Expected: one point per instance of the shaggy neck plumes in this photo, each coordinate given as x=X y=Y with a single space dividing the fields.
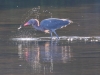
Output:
x=36 y=25
x=37 y=22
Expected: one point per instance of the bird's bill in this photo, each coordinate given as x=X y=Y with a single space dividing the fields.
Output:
x=26 y=24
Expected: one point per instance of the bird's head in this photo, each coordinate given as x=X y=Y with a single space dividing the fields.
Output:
x=32 y=22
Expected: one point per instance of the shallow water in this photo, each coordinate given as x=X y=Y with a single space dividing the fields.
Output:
x=50 y=57
x=30 y=52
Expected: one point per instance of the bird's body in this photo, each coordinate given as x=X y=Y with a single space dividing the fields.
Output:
x=53 y=23
x=49 y=25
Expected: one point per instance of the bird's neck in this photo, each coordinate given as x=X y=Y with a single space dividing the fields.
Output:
x=37 y=27
x=37 y=22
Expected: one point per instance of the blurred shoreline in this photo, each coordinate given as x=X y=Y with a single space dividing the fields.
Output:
x=76 y=13
x=12 y=16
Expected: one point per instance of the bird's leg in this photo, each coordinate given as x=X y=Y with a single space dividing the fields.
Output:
x=51 y=34
x=56 y=34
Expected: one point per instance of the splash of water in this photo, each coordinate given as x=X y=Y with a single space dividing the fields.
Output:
x=36 y=13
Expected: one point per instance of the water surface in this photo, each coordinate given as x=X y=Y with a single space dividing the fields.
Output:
x=30 y=52
x=50 y=57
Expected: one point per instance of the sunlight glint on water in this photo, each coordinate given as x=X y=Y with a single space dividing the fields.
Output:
x=68 y=38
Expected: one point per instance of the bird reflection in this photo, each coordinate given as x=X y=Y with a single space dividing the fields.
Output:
x=43 y=55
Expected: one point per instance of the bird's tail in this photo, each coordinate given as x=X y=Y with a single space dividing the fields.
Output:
x=65 y=22
x=70 y=21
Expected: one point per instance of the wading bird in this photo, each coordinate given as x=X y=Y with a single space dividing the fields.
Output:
x=48 y=25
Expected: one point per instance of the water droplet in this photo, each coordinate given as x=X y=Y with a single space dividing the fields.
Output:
x=78 y=25
x=20 y=65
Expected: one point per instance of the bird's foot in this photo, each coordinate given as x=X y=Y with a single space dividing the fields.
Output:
x=54 y=38
x=58 y=39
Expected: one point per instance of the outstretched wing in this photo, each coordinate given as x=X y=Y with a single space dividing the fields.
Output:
x=54 y=23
